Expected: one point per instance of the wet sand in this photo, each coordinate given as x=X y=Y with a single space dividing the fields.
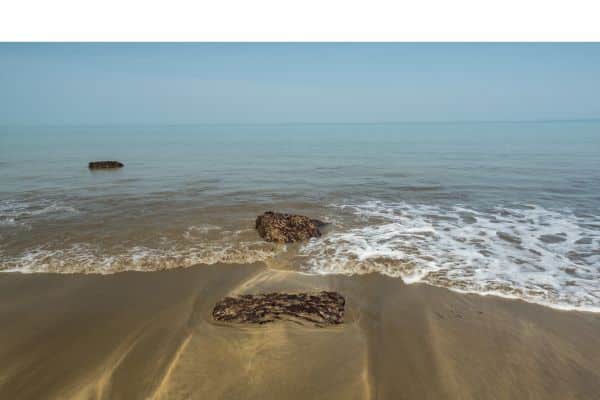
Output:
x=150 y=335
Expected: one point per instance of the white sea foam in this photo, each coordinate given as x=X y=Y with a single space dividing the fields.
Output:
x=14 y=212
x=86 y=258
x=196 y=231
x=223 y=246
x=539 y=255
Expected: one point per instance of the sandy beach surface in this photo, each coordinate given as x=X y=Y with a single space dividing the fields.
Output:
x=138 y=335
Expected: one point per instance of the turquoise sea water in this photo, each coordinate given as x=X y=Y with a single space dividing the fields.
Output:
x=505 y=208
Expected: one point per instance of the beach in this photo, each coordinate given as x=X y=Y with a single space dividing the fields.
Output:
x=151 y=335
x=468 y=261
x=299 y=220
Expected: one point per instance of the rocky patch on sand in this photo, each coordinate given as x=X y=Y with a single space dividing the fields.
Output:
x=287 y=228
x=104 y=164
x=320 y=309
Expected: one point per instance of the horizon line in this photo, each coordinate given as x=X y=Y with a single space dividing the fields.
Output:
x=491 y=121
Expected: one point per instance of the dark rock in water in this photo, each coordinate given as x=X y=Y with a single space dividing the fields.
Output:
x=104 y=164
x=287 y=228
x=324 y=308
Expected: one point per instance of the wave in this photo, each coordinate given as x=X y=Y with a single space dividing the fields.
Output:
x=87 y=258
x=522 y=251
x=198 y=231
x=15 y=212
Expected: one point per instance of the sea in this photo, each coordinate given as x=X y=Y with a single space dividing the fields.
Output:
x=496 y=208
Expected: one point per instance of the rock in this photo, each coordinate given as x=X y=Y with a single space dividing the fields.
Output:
x=324 y=308
x=104 y=164
x=287 y=228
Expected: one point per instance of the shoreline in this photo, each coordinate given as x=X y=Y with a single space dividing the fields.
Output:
x=496 y=294
x=446 y=246
x=151 y=335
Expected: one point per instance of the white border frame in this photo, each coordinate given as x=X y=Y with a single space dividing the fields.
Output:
x=300 y=20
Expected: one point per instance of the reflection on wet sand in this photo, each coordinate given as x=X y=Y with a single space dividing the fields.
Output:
x=151 y=335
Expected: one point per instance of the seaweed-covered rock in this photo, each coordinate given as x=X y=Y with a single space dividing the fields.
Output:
x=287 y=228
x=324 y=308
x=104 y=164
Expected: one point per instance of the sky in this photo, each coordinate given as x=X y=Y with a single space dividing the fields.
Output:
x=151 y=83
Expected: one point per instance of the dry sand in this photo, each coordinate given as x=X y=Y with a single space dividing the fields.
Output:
x=138 y=335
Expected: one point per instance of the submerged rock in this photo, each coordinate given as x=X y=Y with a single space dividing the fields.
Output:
x=104 y=164
x=287 y=228
x=324 y=308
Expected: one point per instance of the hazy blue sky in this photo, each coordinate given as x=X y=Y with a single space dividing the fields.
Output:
x=238 y=83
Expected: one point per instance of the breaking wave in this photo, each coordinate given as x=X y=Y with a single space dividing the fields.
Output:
x=13 y=212
x=86 y=258
x=523 y=251
x=540 y=255
x=195 y=248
